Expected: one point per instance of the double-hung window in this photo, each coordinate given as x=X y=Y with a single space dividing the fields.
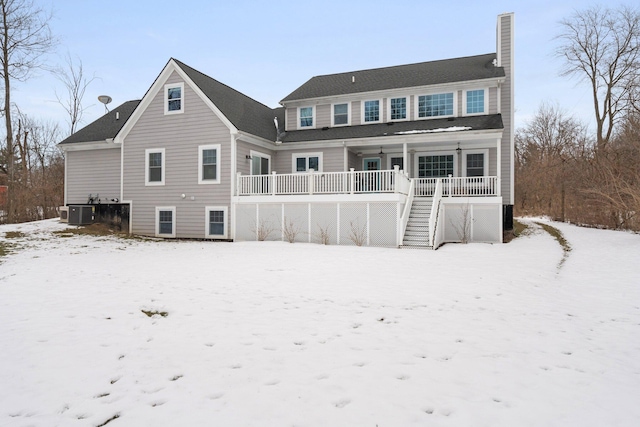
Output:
x=340 y=114
x=216 y=222
x=306 y=115
x=306 y=162
x=398 y=108
x=475 y=101
x=371 y=111
x=435 y=105
x=209 y=164
x=166 y=221
x=174 y=98
x=475 y=163
x=154 y=166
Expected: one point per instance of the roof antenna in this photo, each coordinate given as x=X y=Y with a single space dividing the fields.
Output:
x=105 y=99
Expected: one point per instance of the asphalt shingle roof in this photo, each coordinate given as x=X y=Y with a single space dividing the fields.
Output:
x=401 y=76
x=490 y=122
x=105 y=127
x=246 y=114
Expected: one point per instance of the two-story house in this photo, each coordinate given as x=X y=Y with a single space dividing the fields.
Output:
x=410 y=155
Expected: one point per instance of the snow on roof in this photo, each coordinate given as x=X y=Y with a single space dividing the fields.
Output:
x=449 y=129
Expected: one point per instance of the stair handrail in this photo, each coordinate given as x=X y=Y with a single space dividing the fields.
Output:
x=404 y=219
x=435 y=208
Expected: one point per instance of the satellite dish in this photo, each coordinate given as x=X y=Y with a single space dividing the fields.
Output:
x=105 y=99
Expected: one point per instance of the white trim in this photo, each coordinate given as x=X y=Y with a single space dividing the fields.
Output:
x=166 y=98
x=333 y=123
x=486 y=101
x=407 y=108
x=296 y=156
x=259 y=154
x=418 y=154
x=218 y=149
x=66 y=181
x=173 y=220
x=380 y=111
x=225 y=210
x=416 y=104
x=485 y=166
x=313 y=118
x=146 y=166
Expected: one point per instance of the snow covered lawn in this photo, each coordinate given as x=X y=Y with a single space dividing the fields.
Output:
x=278 y=334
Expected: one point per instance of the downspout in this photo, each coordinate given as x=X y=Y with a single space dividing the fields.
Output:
x=232 y=181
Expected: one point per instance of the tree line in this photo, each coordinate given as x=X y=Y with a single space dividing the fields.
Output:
x=562 y=170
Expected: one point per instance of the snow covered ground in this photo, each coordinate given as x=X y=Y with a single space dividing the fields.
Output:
x=278 y=334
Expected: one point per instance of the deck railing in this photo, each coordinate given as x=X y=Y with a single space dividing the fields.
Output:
x=483 y=186
x=358 y=182
x=385 y=181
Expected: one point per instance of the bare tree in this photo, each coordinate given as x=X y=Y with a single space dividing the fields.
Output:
x=24 y=38
x=602 y=46
x=75 y=83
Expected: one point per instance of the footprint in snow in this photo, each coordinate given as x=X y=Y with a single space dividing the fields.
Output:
x=272 y=382
x=215 y=396
x=341 y=403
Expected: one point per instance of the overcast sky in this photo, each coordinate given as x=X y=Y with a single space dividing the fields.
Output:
x=266 y=49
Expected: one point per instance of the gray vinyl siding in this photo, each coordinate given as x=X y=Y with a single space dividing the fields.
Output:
x=332 y=159
x=352 y=160
x=93 y=172
x=323 y=115
x=292 y=118
x=493 y=100
x=355 y=113
x=506 y=48
x=180 y=135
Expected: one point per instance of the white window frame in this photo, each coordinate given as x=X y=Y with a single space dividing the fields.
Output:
x=407 y=105
x=313 y=117
x=333 y=116
x=380 y=109
x=296 y=156
x=417 y=155
x=173 y=219
x=486 y=101
x=201 y=149
x=148 y=151
x=486 y=160
x=225 y=210
x=416 y=105
x=253 y=153
x=166 y=98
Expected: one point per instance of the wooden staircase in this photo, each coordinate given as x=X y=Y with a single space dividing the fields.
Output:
x=417 y=233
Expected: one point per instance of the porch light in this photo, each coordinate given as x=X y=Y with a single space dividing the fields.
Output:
x=458 y=150
x=248 y=157
x=381 y=153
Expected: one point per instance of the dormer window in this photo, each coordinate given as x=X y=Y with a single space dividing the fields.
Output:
x=174 y=98
x=305 y=117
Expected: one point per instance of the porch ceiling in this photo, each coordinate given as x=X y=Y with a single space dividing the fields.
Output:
x=400 y=129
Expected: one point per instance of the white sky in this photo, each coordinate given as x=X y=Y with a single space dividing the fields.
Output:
x=267 y=49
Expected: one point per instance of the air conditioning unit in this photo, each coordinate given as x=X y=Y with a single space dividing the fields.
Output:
x=64 y=213
x=81 y=214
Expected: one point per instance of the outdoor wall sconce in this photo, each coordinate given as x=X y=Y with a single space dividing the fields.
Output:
x=248 y=157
